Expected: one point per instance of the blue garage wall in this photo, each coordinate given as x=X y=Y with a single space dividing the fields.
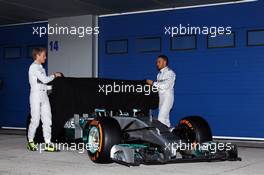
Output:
x=14 y=96
x=224 y=85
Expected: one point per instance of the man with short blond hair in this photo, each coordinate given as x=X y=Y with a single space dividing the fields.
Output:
x=39 y=100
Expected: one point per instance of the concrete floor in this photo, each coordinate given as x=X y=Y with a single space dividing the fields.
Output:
x=16 y=160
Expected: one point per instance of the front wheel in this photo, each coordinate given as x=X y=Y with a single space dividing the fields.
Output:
x=194 y=129
x=103 y=134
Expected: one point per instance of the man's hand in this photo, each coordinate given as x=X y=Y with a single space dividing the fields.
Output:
x=150 y=82
x=57 y=74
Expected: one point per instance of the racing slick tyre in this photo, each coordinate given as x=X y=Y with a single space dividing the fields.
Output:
x=103 y=133
x=194 y=129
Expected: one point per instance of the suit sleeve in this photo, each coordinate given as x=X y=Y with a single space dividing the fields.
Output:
x=43 y=77
x=167 y=82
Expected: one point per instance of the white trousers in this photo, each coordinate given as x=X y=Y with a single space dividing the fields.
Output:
x=166 y=100
x=40 y=110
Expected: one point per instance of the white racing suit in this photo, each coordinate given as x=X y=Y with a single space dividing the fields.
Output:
x=39 y=101
x=165 y=84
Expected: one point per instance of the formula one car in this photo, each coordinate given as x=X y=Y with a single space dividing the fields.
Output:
x=134 y=139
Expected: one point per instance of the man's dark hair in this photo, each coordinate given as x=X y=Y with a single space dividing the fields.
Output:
x=164 y=57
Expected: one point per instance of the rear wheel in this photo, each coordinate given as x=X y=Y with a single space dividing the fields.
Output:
x=103 y=134
x=194 y=129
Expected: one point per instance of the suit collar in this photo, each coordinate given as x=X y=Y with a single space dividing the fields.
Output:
x=164 y=69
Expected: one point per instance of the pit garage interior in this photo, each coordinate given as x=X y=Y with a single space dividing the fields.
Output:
x=219 y=78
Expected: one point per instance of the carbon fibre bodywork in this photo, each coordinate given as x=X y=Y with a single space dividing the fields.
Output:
x=148 y=141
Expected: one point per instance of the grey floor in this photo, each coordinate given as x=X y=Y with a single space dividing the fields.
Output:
x=15 y=159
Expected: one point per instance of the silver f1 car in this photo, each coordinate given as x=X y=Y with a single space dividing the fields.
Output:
x=134 y=139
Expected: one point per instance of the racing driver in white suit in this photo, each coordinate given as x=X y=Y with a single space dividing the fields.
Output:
x=165 y=84
x=39 y=100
